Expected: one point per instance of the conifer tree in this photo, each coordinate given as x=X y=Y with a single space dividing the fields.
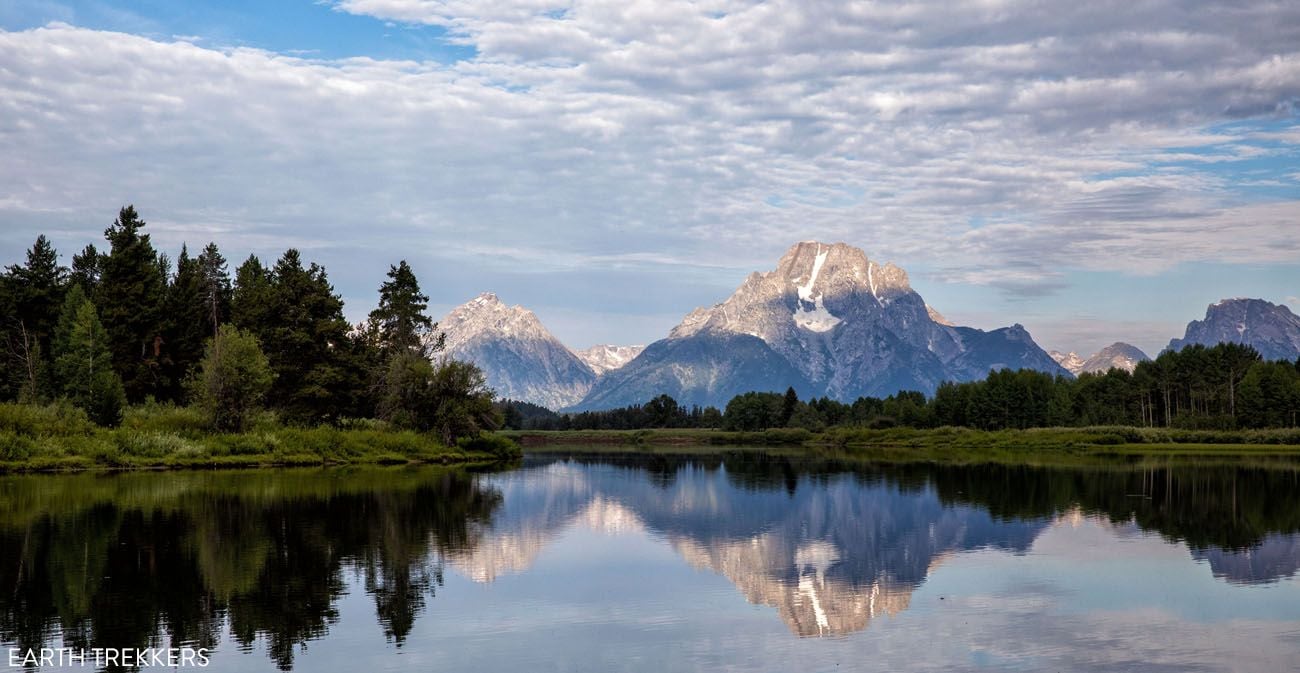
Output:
x=216 y=287
x=306 y=339
x=131 y=294
x=85 y=368
x=86 y=268
x=250 y=303
x=34 y=294
x=186 y=322
x=399 y=320
x=59 y=343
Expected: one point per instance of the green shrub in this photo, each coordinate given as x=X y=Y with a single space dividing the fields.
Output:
x=156 y=445
x=46 y=420
x=493 y=445
x=15 y=447
x=787 y=436
x=153 y=417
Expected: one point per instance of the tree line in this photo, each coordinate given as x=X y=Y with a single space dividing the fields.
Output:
x=127 y=325
x=1226 y=386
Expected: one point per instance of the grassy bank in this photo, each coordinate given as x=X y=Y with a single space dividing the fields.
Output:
x=657 y=439
x=958 y=445
x=60 y=437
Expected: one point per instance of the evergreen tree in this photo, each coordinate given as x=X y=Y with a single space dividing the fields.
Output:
x=1269 y=396
x=132 y=292
x=86 y=269
x=306 y=340
x=399 y=320
x=59 y=343
x=38 y=290
x=85 y=368
x=250 y=303
x=1233 y=361
x=216 y=287
x=186 y=326
x=788 y=405
x=34 y=295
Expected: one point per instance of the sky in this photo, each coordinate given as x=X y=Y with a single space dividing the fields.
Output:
x=1097 y=171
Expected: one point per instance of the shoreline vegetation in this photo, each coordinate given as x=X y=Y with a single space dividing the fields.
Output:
x=61 y=438
x=130 y=359
x=1034 y=446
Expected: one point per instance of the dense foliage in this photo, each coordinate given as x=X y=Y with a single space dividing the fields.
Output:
x=128 y=327
x=1223 y=387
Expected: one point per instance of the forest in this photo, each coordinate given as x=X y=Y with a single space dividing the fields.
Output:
x=1223 y=387
x=127 y=326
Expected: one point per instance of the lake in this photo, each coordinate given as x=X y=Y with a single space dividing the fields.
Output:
x=736 y=561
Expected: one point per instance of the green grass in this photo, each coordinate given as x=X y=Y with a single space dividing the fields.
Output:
x=60 y=437
x=543 y=440
x=1038 y=446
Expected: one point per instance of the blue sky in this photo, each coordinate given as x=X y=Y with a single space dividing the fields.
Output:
x=1095 y=171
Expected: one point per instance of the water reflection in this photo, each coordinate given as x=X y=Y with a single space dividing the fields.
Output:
x=262 y=559
x=829 y=553
x=131 y=560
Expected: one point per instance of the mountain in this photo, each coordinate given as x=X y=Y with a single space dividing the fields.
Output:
x=827 y=321
x=1118 y=355
x=1070 y=361
x=604 y=358
x=1272 y=329
x=520 y=358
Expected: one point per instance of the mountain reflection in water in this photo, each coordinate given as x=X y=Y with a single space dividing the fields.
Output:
x=136 y=560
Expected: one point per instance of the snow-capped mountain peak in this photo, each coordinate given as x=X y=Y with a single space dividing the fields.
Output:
x=520 y=358
x=1071 y=361
x=603 y=358
x=827 y=320
x=1118 y=355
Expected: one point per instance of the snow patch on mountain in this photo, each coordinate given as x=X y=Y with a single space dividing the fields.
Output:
x=818 y=319
x=603 y=358
x=827 y=321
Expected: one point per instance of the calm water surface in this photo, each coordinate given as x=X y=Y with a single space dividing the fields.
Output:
x=711 y=564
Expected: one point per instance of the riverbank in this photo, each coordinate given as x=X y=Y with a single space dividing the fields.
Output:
x=1058 y=446
x=60 y=438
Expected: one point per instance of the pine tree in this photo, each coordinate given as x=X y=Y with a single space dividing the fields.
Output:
x=87 y=266
x=60 y=344
x=39 y=286
x=305 y=337
x=788 y=405
x=131 y=294
x=216 y=287
x=250 y=303
x=186 y=322
x=399 y=319
x=35 y=293
x=85 y=368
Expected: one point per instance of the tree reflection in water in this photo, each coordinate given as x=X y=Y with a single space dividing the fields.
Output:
x=140 y=560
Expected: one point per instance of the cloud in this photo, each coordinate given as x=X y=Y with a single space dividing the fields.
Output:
x=622 y=135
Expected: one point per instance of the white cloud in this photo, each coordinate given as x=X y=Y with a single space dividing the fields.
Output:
x=660 y=133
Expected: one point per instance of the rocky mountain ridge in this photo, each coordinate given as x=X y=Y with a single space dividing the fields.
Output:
x=827 y=321
x=1118 y=355
x=1272 y=329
